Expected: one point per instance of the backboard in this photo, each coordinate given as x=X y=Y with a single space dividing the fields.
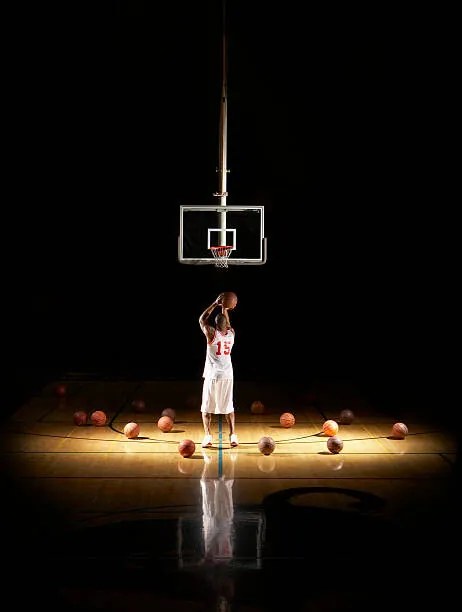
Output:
x=240 y=227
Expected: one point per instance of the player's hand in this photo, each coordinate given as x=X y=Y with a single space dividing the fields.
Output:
x=219 y=299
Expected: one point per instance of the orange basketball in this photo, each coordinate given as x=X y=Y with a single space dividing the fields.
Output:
x=132 y=430
x=139 y=405
x=330 y=427
x=399 y=430
x=287 y=419
x=346 y=417
x=170 y=412
x=80 y=417
x=60 y=390
x=165 y=423
x=229 y=299
x=186 y=448
x=335 y=444
x=266 y=445
x=257 y=407
x=98 y=418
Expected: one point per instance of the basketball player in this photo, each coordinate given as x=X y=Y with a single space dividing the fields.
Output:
x=217 y=390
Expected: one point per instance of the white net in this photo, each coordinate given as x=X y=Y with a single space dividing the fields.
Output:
x=221 y=255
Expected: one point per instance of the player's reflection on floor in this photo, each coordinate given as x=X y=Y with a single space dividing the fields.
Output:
x=217 y=509
x=217 y=527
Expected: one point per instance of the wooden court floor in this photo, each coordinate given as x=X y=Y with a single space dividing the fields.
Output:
x=101 y=521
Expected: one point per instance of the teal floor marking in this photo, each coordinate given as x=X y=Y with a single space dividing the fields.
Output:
x=220 y=445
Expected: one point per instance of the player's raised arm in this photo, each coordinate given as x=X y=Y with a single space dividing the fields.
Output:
x=204 y=318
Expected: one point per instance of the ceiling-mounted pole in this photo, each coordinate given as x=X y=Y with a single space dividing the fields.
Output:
x=222 y=147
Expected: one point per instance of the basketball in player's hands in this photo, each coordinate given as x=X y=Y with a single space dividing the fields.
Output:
x=228 y=300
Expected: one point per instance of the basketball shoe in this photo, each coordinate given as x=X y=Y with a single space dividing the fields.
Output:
x=207 y=441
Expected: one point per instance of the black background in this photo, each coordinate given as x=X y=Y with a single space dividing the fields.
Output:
x=336 y=124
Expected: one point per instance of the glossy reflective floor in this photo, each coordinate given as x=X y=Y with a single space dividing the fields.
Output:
x=98 y=521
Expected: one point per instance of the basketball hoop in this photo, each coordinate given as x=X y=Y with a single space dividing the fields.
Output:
x=221 y=255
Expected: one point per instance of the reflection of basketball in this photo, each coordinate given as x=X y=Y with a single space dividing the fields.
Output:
x=266 y=445
x=80 y=417
x=185 y=467
x=165 y=423
x=336 y=463
x=330 y=427
x=335 y=444
x=229 y=299
x=257 y=407
x=346 y=417
x=266 y=464
x=186 y=448
x=399 y=430
x=170 y=412
x=98 y=418
x=139 y=405
x=287 y=419
x=132 y=430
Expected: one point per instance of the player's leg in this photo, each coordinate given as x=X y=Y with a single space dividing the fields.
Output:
x=227 y=390
x=207 y=407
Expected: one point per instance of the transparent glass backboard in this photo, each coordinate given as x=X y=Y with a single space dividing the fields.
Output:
x=238 y=227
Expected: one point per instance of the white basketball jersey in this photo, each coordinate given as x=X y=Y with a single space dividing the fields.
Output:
x=218 y=362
